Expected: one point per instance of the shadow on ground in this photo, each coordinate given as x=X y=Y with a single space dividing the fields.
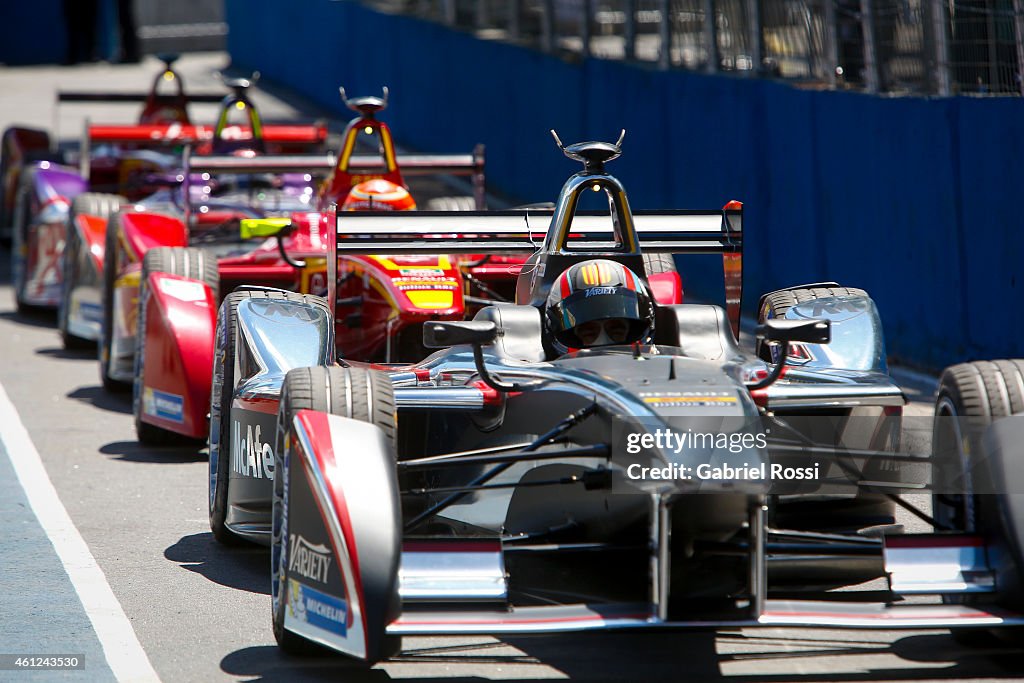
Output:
x=133 y=451
x=245 y=567
x=104 y=400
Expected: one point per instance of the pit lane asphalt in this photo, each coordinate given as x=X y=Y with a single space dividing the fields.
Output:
x=202 y=612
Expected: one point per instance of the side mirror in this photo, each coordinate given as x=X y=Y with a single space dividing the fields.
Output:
x=439 y=335
x=806 y=331
x=263 y=227
x=786 y=331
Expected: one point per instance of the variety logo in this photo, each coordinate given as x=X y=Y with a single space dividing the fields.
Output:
x=308 y=560
x=251 y=457
x=163 y=405
x=317 y=609
x=597 y=291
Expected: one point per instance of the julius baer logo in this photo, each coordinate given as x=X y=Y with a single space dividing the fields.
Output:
x=251 y=456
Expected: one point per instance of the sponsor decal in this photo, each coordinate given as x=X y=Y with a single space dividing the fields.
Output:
x=312 y=607
x=163 y=405
x=183 y=290
x=689 y=399
x=421 y=272
x=598 y=291
x=251 y=456
x=88 y=311
x=308 y=560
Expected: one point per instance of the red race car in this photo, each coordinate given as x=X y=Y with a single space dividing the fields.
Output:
x=38 y=189
x=213 y=253
x=151 y=177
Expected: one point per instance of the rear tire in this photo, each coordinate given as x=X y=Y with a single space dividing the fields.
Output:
x=186 y=262
x=326 y=390
x=451 y=204
x=659 y=263
x=94 y=204
x=221 y=395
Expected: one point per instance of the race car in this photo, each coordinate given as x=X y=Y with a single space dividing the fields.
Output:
x=151 y=317
x=156 y=180
x=527 y=479
x=38 y=187
x=116 y=164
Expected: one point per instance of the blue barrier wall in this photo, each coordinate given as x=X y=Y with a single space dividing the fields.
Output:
x=32 y=32
x=909 y=198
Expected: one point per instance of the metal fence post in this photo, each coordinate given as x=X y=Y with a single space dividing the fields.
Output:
x=831 y=40
x=754 y=35
x=482 y=16
x=710 y=37
x=1018 y=31
x=629 y=29
x=547 y=39
x=588 y=11
x=665 y=31
x=939 y=16
x=515 y=8
x=867 y=21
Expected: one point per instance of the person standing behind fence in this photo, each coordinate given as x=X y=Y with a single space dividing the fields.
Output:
x=126 y=27
x=80 y=23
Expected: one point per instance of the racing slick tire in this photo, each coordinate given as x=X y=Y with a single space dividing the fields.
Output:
x=357 y=393
x=94 y=204
x=451 y=204
x=976 y=451
x=969 y=398
x=186 y=262
x=221 y=394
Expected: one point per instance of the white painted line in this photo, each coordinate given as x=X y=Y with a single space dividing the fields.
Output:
x=124 y=653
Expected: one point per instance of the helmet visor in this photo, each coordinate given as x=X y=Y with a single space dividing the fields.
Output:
x=598 y=303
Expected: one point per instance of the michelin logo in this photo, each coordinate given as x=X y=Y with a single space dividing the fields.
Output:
x=317 y=609
x=163 y=405
x=308 y=560
x=251 y=457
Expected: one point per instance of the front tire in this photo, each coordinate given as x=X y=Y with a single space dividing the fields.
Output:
x=221 y=395
x=970 y=397
x=356 y=393
x=94 y=204
x=183 y=261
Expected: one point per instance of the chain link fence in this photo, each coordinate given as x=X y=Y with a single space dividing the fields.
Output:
x=923 y=47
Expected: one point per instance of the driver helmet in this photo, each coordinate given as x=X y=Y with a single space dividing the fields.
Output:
x=599 y=303
x=378 y=195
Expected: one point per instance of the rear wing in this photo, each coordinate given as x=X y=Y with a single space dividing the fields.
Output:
x=177 y=134
x=130 y=97
x=169 y=135
x=412 y=165
x=523 y=231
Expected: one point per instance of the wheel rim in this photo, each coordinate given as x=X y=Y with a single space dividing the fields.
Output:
x=956 y=509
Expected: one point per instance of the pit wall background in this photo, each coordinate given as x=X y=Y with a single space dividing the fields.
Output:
x=913 y=199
